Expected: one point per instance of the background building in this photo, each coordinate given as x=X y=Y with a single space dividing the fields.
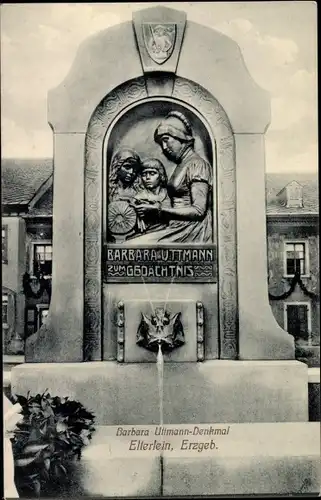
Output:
x=293 y=259
x=26 y=248
x=293 y=253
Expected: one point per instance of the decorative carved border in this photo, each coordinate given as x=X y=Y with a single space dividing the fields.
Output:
x=120 y=331
x=200 y=331
x=196 y=96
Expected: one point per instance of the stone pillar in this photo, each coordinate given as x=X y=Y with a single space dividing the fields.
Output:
x=61 y=338
x=113 y=59
x=260 y=336
x=247 y=107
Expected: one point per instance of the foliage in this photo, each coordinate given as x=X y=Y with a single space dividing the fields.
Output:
x=302 y=350
x=52 y=432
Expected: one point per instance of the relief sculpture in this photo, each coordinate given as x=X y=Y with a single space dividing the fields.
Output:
x=123 y=179
x=145 y=207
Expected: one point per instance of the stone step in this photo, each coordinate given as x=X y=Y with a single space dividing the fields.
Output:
x=256 y=458
x=10 y=361
x=211 y=391
x=13 y=359
x=57 y=378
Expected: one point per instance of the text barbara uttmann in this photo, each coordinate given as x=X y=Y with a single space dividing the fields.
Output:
x=169 y=438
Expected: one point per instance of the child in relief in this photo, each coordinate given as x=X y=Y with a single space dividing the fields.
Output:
x=153 y=190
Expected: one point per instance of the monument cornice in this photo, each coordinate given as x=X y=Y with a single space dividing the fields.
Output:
x=71 y=104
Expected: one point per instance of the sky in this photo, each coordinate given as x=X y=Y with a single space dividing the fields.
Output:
x=278 y=41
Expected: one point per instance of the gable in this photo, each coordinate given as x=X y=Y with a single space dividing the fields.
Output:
x=294 y=194
x=276 y=192
x=44 y=204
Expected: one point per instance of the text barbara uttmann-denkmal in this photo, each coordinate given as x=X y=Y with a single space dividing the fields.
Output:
x=138 y=443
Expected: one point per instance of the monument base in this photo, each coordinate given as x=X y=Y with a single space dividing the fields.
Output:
x=204 y=392
x=255 y=459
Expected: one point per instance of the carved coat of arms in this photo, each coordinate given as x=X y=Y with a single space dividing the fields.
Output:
x=159 y=40
x=161 y=328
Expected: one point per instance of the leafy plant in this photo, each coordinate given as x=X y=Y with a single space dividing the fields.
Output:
x=52 y=432
x=303 y=351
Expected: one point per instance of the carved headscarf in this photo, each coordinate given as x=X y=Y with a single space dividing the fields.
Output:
x=176 y=125
x=123 y=156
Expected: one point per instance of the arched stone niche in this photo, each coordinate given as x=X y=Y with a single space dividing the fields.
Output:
x=198 y=99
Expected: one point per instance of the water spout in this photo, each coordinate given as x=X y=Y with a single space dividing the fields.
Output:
x=161 y=328
x=161 y=333
x=160 y=375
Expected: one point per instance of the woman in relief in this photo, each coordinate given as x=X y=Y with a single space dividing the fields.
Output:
x=189 y=215
x=123 y=178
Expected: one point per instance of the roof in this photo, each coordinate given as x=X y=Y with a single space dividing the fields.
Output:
x=43 y=206
x=22 y=178
x=289 y=184
x=275 y=184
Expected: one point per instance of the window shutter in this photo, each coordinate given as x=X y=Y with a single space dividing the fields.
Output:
x=303 y=320
x=30 y=321
x=297 y=319
x=11 y=322
x=4 y=244
x=11 y=312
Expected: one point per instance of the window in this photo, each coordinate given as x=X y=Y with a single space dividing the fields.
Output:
x=5 y=322
x=4 y=244
x=298 y=320
x=42 y=262
x=5 y=299
x=35 y=317
x=30 y=321
x=295 y=258
x=42 y=314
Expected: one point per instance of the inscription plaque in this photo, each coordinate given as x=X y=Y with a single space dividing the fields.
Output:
x=197 y=264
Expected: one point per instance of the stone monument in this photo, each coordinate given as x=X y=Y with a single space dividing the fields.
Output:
x=159 y=235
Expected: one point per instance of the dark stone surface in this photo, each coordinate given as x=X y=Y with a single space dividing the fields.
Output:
x=314 y=402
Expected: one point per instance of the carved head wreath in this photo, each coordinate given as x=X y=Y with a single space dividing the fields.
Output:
x=176 y=125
